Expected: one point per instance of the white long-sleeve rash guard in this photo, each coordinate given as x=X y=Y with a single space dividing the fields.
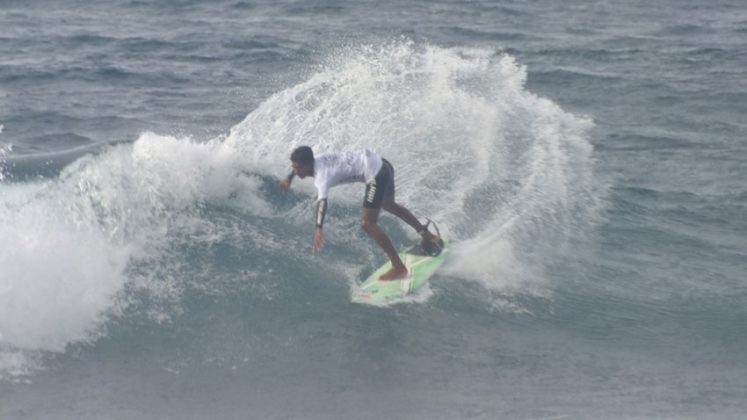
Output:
x=331 y=169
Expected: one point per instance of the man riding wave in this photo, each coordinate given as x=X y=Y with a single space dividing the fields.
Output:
x=331 y=169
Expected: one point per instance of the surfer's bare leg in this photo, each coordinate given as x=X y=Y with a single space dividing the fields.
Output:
x=369 y=223
x=403 y=213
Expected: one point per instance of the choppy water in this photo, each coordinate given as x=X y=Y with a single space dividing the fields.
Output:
x=586 y=159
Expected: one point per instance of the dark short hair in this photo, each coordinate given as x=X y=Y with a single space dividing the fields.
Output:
x=303 y=155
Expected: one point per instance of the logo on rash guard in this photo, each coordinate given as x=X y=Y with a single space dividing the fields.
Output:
x=371 y=192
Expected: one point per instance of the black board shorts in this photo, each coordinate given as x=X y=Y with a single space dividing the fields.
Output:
x=381 y=186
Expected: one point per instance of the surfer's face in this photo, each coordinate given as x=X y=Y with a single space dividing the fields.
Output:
x=302 y=171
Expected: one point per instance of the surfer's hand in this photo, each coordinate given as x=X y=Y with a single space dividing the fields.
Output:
x=285 y=184
x=318 y=240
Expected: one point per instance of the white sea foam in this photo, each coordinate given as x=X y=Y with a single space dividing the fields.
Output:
x=66 y=243
x=16 y=365
x=506 y=173
x=4 y=150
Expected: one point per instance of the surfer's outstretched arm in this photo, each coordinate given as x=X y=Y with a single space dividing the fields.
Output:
x=321 y=211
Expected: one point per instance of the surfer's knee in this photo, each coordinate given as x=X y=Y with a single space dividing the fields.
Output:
x=369 y=218
x=389 y=204
x=368 y=225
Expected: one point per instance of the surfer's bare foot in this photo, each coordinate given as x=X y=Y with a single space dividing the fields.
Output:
x=395 y=273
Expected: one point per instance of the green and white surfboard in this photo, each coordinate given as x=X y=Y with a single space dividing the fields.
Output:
x=420 y=263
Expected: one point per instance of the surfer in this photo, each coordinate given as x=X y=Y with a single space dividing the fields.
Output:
x=331 y=169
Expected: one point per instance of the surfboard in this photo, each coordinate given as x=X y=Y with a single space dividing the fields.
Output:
x=421 y=265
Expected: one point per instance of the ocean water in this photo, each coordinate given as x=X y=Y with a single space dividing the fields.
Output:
x=587 y=160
